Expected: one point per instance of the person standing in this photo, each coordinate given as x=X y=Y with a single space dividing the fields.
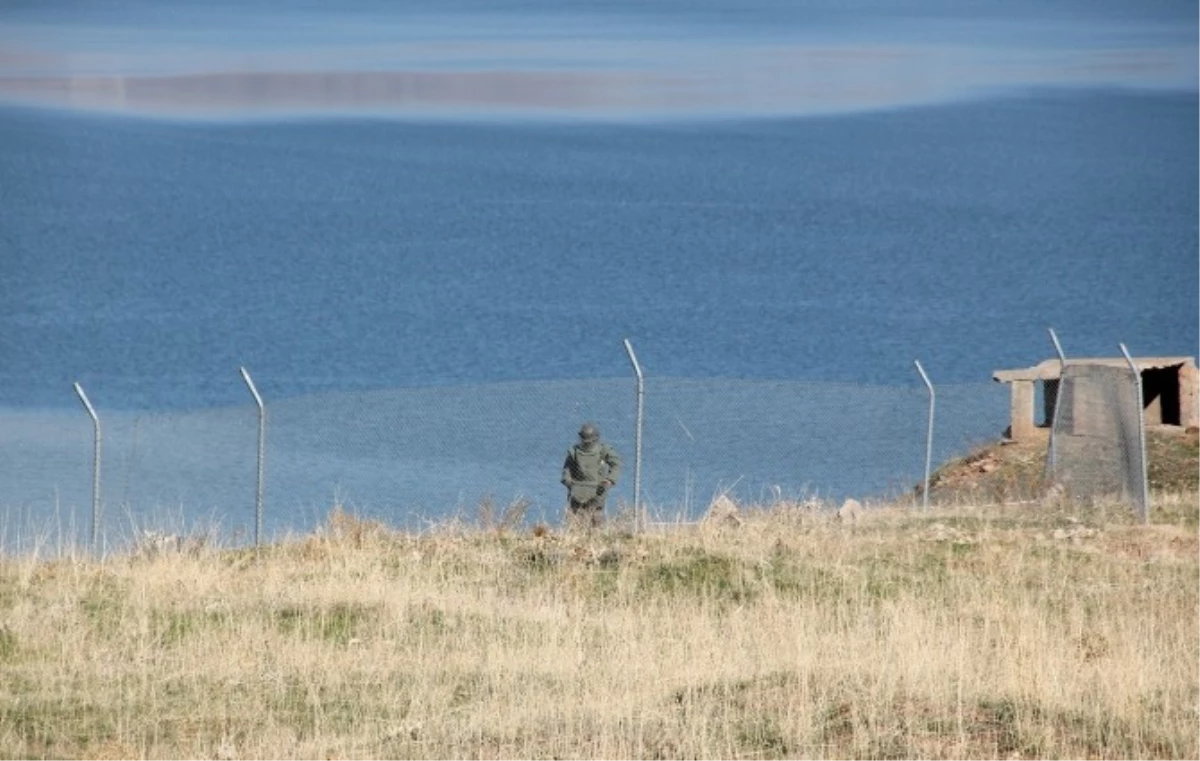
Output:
x=589 y=471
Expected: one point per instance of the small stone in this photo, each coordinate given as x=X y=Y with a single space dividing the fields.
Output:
x=154 y=543
x=723 y=512
x=1054 y=494
x=849 y=511
x=608 y=558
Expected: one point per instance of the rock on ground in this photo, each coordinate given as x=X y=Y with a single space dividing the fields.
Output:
x=849 y=511
x=722 y=512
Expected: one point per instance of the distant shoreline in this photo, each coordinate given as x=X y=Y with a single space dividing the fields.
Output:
x=773 y=83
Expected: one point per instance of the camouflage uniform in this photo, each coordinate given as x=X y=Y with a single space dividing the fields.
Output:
x=590 y=469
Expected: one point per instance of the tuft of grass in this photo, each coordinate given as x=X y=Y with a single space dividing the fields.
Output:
x=501 y=521
x=761 y=737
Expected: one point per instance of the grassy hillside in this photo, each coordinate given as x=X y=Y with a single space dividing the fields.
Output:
x=971 y=632
x=1007 y=471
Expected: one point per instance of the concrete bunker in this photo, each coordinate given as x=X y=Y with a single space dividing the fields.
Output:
x=1169 y=392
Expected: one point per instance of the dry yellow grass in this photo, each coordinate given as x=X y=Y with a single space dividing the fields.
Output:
x=967 y=632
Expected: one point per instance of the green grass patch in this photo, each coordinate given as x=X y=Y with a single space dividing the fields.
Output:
x=700 y=573
x=103 y=605
x=337 y=623
x=54 y=728
x=8 y=645
x=174 y=626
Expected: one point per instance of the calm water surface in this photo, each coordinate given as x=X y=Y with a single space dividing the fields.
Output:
x=150 y=260
x=382 y=198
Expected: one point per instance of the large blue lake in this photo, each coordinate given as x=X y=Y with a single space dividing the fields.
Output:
x=426 y=236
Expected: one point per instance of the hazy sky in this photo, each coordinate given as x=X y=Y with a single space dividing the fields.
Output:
x=599 y=59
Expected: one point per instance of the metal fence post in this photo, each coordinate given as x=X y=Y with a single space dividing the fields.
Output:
x=1062 y=371
x=262 y=429
x=95 y=465
x=637 y=437
x=1144 y=486
x=928 y=433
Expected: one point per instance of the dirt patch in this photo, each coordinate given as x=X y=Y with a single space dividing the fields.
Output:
x=1000 y=472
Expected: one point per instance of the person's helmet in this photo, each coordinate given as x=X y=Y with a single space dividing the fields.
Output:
x=589 y=433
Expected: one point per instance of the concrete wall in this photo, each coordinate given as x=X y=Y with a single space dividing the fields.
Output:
x=1171 y=388
x=1189 y=380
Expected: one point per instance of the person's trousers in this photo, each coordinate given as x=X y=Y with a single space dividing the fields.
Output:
x=585 y=515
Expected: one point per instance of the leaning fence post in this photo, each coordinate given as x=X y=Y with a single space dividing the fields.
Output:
x=262 y=429
x=1062 y=371
x=637 y=436
x=1144 y=486
x=928 y=433
x=95 y=465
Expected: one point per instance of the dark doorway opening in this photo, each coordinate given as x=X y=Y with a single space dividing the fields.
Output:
x=1160 y=395
x=1049 y=401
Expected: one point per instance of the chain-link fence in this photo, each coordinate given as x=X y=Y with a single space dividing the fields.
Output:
x=412 y=457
